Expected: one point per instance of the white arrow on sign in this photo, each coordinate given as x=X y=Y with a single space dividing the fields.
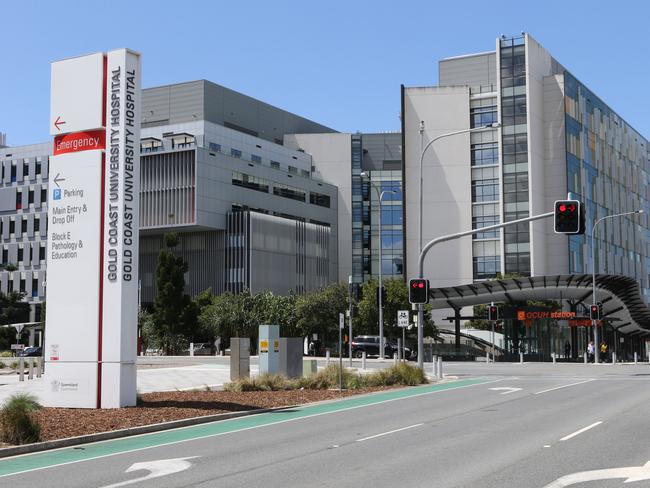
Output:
x=506 y=389
x=632 y=473
x=162 y=467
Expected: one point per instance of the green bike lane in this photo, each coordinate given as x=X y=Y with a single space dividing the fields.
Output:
x=86 y=452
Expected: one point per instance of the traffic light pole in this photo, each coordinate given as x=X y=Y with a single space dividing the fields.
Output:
x=451 y=237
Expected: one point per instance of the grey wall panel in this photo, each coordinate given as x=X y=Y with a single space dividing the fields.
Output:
x=469 y=70
x=8 y=199
x=381 y=148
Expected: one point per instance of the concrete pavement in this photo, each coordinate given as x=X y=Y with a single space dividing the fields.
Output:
x=522 y=429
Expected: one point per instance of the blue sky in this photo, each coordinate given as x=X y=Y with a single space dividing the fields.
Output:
x=338 y=63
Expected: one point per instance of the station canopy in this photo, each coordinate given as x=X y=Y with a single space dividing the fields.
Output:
x=623 y=305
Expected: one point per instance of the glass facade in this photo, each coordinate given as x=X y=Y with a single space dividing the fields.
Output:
x=357 y=210
x=608 y=168
x=389 y=213
x=512 y=61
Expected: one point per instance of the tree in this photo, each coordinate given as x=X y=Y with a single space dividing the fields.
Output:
x=13 y=310
x=174 y=311
x=318 y=312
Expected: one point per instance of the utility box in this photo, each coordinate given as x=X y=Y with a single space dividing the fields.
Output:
x=240 y=358
x=291 y=356
x=269 y=349
x=309 y=368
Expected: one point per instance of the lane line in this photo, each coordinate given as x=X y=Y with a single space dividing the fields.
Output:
x=565 y=386
x=25 y=463
x=389 y=432
x=578 y=432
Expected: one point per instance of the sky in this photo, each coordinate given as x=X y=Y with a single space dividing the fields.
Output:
x=339 y=63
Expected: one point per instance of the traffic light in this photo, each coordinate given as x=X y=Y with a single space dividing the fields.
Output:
x=383 y=297
x=419 y=291
x=595 y=312
x=493 y=313
x=568 y=217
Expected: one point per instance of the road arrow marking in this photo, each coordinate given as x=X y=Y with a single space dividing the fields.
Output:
x=57 y=179
x=162 y=467
x=508 y=389
x=58 y=122
x=632 y=473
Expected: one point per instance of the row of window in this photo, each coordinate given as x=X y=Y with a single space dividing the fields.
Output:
x=482 y=116
x=30 y=197
x=23 y=226
x=14 y=169
x=255 y=158
x=21 y=256
x=279 y=189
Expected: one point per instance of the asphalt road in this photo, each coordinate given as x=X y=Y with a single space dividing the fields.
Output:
x=514 y=426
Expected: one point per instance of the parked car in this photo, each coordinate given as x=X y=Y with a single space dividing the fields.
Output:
x=32 y=351
x=370 y=345
x=407 y=350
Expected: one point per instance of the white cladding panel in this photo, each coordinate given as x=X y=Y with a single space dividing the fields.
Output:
x=73 y=280
x=77 y=87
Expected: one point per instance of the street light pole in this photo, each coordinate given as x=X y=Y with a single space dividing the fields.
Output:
x=366 y=174
x=494 y=125
x=593 y=275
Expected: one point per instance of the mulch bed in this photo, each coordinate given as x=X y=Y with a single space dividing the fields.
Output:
x=153 y=408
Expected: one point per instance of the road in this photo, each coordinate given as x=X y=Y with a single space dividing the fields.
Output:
x=495 y=426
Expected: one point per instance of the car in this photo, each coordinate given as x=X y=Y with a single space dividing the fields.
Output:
x=408 y=353
x=32 y=351
x=370 y=345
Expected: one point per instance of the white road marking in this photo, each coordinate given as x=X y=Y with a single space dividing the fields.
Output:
x=547 y=445
x=632 y=473
x=578 y=432
x=389 y=432
x=161 y=467
x=508 y=389
x=565 y=386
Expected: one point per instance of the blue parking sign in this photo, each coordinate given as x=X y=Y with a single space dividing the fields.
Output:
x=57 y=194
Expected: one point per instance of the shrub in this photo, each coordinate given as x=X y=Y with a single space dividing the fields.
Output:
x=2 y=365
x=6 y=354
x=14 y=365
x=329 y=378
x=265 y=382
x=17 y=422
x=400 y=374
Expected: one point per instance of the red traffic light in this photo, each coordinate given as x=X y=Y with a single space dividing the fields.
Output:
x=562 y=207
x=419 y=291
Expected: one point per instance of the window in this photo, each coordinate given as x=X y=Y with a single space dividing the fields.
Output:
x=304 y=173
x=391 y=215
x=37 y=224
x=251 y=182
x=485 y=190
x=19 y=200
x=483 y=154
x=214 y=147
x=13 y=172
x=287 y=191
x=293 y=169
x=482 y=116
x=20 y=254
x=43 y=196
x=12 y=227
x=235 y=153
x=23 y=226
x=41 y=253
x=485 y=221
x=25 y=169
x=319 y=199
x=256 y=159
x=30 y=197
x=34 y=287
x=486 y=267
x=22 y=285
x=392 y=240
x=5 y=256
x=38 y=167
x=391 y=186
x=275 y=164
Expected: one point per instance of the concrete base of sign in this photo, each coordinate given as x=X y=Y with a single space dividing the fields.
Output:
x=70 y=385
x=269 y=349
x=240 y=361
x=291 y=349
x=309 y=367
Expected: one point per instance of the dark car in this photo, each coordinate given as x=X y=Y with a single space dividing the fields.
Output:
x=408 y=353
x=370 y=345
x=32 y=351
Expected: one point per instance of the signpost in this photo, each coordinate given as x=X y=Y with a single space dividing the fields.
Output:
x=92 y=250
x=341 y=327
x=403 y=322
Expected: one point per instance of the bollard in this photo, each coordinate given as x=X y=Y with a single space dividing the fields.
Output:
x=585 y=358
x=399 y=349
x=521 y=358
x=553 y=355
x=613 y=358
x=487 y=357
x=395 y=358
x=30 y=369
x=434 y=363
x=636 y=358
x=21 y=369
x=39 y=366
x=440 y=375
x=327 y=357
x=363 y=360
x=191 y=349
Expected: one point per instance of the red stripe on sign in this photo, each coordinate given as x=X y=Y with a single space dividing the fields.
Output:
x=80 y=141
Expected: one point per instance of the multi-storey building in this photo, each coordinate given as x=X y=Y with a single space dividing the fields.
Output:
x=556 y=137
x=365 y=168
x=249 y=212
